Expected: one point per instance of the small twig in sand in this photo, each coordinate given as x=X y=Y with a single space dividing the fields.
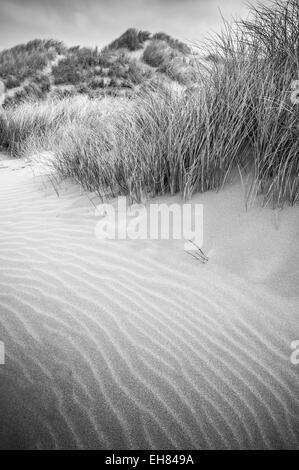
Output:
x=200 y=250
x=199 y=254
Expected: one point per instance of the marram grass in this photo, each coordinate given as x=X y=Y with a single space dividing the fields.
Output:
x=179 y=140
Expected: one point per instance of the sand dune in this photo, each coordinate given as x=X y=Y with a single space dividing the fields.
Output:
x=134 y=344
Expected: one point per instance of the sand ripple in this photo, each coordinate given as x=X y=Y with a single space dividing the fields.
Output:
x=128 y=345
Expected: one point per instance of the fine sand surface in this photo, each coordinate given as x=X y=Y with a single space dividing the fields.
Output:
x=135 y=344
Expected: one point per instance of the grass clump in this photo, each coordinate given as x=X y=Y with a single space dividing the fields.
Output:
x=132 y=39
x=24 y=61
x=173 y=43
x=238 y=117
x=157 y=53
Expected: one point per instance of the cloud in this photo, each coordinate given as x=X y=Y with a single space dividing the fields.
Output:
x=97 y=22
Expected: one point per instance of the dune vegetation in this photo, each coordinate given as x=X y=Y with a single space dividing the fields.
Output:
x=27 y=60
x=235 y=115
x=47 y=69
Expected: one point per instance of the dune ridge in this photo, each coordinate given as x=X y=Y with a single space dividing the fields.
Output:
x=133 y=344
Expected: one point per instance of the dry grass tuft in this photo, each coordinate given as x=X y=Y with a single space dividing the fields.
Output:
x=167 y=140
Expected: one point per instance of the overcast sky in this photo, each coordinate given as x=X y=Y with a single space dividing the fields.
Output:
x=97 y=22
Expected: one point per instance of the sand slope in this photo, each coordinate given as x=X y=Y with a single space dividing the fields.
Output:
x=134 y=344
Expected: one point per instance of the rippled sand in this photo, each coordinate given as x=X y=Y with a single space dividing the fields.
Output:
x=134 y=344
